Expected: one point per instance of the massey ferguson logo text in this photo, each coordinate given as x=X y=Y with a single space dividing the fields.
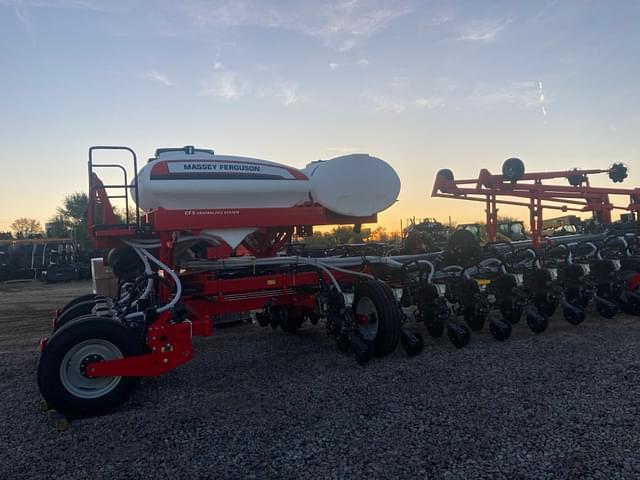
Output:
x=221 y=167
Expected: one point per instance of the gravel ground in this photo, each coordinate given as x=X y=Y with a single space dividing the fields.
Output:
x=260 y=404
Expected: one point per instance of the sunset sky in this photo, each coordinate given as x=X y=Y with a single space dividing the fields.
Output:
x=424 y=85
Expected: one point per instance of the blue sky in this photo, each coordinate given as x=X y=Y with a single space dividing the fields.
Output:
x=423 y=84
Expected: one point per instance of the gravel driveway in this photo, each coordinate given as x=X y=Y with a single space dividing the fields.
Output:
x=261 y=404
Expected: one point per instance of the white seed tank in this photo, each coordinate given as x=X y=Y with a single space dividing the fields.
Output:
x=190 y=178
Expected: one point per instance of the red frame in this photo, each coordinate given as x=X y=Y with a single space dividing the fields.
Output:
x=492 y=190
x=215 y=296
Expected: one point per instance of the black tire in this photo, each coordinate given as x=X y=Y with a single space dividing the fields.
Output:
x=513 y=169
x=80 y=299
x=290 y=323
x=75 y=311
x=64 y=341
x=445 y=173
x=388 y=314
x=435 y=329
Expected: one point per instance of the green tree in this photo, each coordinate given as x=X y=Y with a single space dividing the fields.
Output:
x=74 y=212
x=57 y=226
x=26 y=227
x=74 y=208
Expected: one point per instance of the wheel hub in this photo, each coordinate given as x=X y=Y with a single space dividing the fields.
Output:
x=366 y=317
x=73 y=368
x=92 y=358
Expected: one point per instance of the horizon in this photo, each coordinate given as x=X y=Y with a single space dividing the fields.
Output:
x=422 y=85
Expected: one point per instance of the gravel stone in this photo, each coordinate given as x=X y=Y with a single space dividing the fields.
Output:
x=254 y=403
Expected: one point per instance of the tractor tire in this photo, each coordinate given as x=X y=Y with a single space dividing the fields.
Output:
x=60 y=379
x=376 y=300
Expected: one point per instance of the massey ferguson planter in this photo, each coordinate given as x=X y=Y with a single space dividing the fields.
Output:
x=204 y=243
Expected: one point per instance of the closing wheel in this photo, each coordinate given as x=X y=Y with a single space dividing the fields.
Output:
x=377 y=315
x=62 y=377
x=607 y=308
x=412 y=342
x=500 y=329
x=458 y=334
x=537 y=321
x=573 y=314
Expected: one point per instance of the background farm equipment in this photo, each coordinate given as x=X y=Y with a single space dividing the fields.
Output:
x=518 y=188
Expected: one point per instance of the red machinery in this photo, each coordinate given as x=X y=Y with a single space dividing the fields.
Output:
x=175 y=282
x=515 y=187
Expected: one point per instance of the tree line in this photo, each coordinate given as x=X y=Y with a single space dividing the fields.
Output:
x=69 y=221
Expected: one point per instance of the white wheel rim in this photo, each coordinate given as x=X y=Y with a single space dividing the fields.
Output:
x=72 y=378
x=366 y=308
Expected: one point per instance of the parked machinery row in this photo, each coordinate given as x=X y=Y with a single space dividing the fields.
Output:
x=468 y=287
x=50 y=260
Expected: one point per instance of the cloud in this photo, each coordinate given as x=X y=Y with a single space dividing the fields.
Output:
x=160 y=78
x=23 y=8
x=380 y=103
x=431 y=102
x=338 y=24
x=231 y=85
x=228 y=85
x=440 y=19
x=522 y=94
x=288 y=94
x=363 y=62
x=485 y=31
x=399 y=81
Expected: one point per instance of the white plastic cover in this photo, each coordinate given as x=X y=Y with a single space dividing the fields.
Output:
x=357 y=184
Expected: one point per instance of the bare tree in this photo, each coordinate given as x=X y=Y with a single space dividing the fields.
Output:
x=26 y=227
